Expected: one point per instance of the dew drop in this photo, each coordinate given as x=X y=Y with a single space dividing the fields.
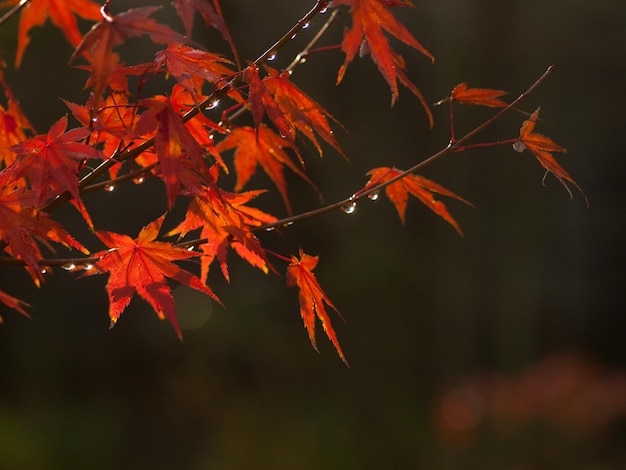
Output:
x=139 y=179
x=288 y=224
x=272 y=56
x=191 y=248
x=269 y=229
x=374 y=196
x=293 y=36
x=349 y=208
x=88 y=267
x=519 y=146
x=69 y=267
x=212 y=105
x=302 y=59
x=306 y=25
x=109 y=188
x=43 y=271
x=323 y=10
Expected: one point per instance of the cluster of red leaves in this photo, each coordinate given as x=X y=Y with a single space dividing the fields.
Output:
x=171 y=138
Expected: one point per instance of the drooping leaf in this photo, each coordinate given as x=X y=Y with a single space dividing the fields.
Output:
x=62 y=13
x=478 y=96
x=542 y=148
x=289 y=109
x=225 y=220
x=420 y=187
x=21 y=224
x=370 y=20
x=112 y=31
x=50 y=162
x=264 y=147
x=312 y=298
x=142 y=266
x=179 y=154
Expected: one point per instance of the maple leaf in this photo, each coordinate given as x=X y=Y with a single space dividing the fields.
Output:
x=15 y=304
x=179 y=154
x=51 y=161
x=21 y=223
x=13 y=125
x=225 y=221
x=370 y=18
x=542 y=148
x=478 y=96
x=112 y=31
x=420 y=187
x=288 y=108
x=62 y=13
x=141 y=266
x=185 y=64
x=211 y=14
x=264 y=147
x=312 y=298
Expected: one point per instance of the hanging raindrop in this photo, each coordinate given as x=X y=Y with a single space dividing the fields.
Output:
x=69 y=267
x=306 y=25
x=109 y=188
x=139 y=179
x=349 y=208
x=374 y=196
x=88 y=267
x=272 y=56
x=212 y=105
x=323 y=10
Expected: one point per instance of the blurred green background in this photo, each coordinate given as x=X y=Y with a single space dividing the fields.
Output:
x=500 y=350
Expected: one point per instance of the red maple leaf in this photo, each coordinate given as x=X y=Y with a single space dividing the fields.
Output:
x=112 y=31
x=312 y=298
x=14 y=125
x=542 y=148
x=21 y=224
x=186 y=64
x=264 y=147
x=225 y=221
x=211 y=14
x=370 y=18
x=180 y=156
x=62 y=13
x=51 y=162
x=420 y=187
x=478 y=96
x=141 y=266
x=288 y=108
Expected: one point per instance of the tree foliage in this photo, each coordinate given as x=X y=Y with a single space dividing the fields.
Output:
x=118 y=134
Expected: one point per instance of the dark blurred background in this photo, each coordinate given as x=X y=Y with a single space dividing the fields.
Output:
x=500 y=350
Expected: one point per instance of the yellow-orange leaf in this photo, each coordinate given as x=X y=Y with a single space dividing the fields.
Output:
x=478 y=96
x=420 y=187
x=542 y=148
x=312 y=298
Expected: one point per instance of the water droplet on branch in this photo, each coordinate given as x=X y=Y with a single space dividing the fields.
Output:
x=349 y=208
x=272 y=56
x=109 y=188
x=374 y=196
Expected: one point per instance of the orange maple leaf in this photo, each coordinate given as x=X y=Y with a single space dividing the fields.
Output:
x=15 y=304
x=21 y=223
x=51 y=162
x=112 y=31
x=420 y=187
x=370 y=18
x=542 y=148
x=62 y=13
x=288 y=108
x=226 y=221
x=312 y=298
x=264 y=147
x=141 y=266
x=478 y=96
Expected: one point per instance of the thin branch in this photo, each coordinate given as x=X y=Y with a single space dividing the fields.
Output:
x=13 y=11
